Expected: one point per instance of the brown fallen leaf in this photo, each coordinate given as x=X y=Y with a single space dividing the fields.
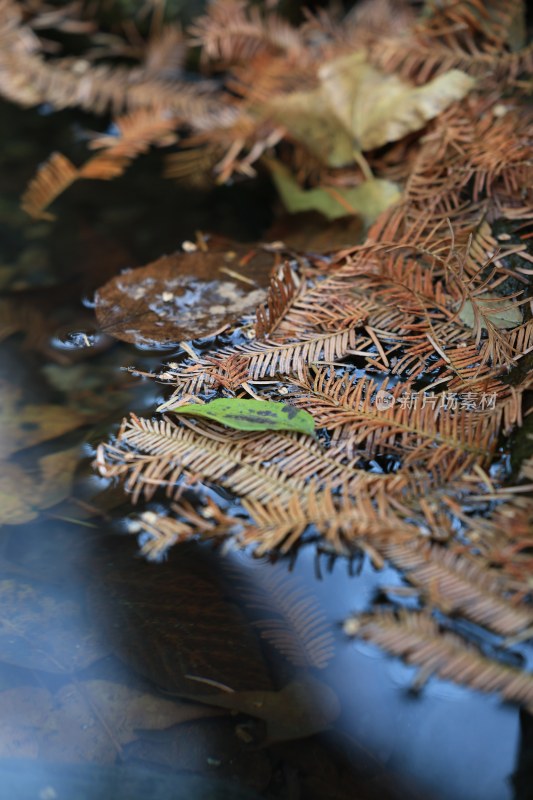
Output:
x=184 y=295
x=86 y=721
x=23 y=426
x=43 y=630
x=16 y=495
x=26 y=491
x=93 y=719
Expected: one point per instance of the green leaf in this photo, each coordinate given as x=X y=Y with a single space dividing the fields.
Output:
x=252 y=415
x=367 y=200
x=494 y=308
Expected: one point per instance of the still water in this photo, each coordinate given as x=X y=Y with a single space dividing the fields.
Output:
x=103 y=656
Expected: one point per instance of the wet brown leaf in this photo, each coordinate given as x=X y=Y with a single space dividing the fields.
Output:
x=184 y=295
x=16 y=495
x=86 y=721
x=24 y=426
x=43 y=630
x=24 y=491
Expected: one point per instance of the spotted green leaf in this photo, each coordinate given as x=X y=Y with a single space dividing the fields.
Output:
x=252 y=415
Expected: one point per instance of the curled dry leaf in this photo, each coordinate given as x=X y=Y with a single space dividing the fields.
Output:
x=377 y=108
x=358 y=107
x=184 y=295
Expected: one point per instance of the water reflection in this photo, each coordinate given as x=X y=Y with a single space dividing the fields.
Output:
x=454 y=743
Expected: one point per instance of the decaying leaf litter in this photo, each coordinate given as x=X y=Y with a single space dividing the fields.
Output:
x=407 y=347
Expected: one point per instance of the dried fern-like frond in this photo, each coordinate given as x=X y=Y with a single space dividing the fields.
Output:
x=192 y=379
x=165 y=53
x=474 y=151
x=136 y=132
x=417 y=638
x=491 y=20
x=283 y=289
x=420 y=432
x=149 y=454
x=458 y=585
x=438 y=46
x=295 y=455
x=504 y=536
x=233 y=32
x=345 y=522
x=157 y=533
x=504 y=156
x=299 y=629
x=53 y=177
x=269 y=359
x=194 y=164
x=27 y=78
x=230 y=373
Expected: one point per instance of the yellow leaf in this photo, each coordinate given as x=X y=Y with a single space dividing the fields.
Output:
x=308 y=118
x=357 y=107
x=376 y=108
